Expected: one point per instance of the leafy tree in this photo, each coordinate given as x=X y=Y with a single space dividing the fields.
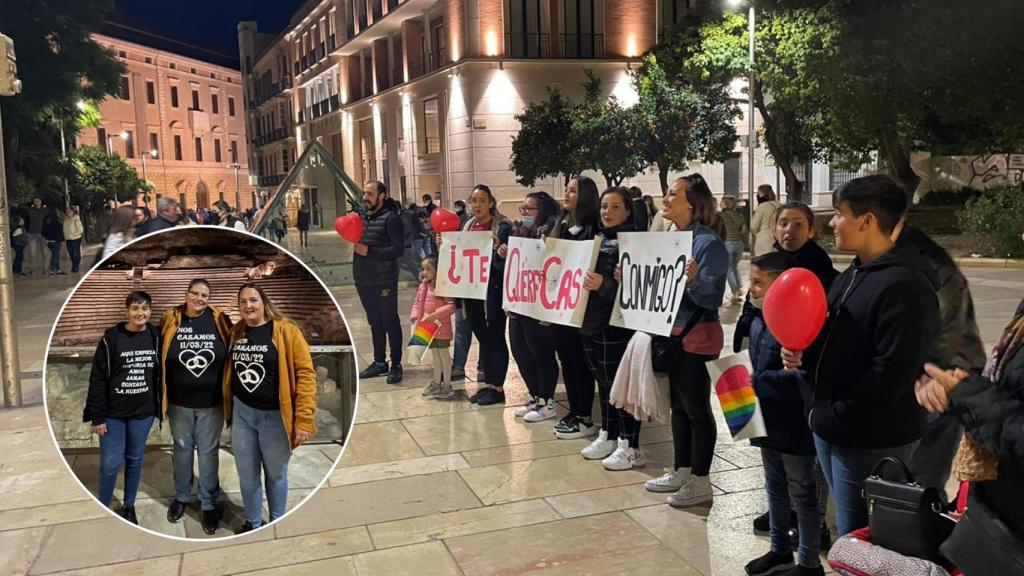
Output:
x=543 y=147
x=59 y=64
x=98 y=177
x=604 y=135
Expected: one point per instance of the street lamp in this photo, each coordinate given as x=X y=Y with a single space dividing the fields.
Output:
x=152 y=154
x=238 y=194
x=110 y=137
x=751 y=139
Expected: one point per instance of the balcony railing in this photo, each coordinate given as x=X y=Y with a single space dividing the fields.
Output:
x=271 y=137
x=582 y=45
x=323 y=107
x=415 y=69
x=527 y=45
x=397 y=77
x=377 y=10
x=331 y=44
x=434 y=60
x=350 y=30
x=274 y=180
x=274 y=89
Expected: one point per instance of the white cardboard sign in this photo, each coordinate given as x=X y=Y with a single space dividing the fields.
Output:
x=653 y=280
x=544 y=278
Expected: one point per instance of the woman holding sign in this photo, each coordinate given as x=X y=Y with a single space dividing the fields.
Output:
x=533 y=341
x=618 y=443
x=272 y=385
x=195 y=336
x=690 y=207
x=486 y=316
x=578 y=222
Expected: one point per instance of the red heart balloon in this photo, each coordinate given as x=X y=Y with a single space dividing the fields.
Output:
x=349 y=227
x=795 y=308
x=444 y=221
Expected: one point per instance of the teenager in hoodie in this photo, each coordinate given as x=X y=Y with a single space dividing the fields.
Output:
x=124 y=398
x=375 y=272
x=883 y=318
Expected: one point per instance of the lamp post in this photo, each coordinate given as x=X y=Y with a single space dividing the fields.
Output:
x=751 y=138
x=152 y=154
x=238 y=194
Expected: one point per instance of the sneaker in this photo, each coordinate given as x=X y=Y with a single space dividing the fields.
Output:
x=444 y=391
x=458 y=373
x=566 y=420
x=175 y=511
x=542 y=412
x=129 y=514
x=476 y=395
x=578 y=429
x=374 y=370
x=491 y=396
x=625 y=457
x=430 y=389
x=671 y=481
x=211 y=521
x=395 y=376
x=800 y=570
x=770 y=563
x=762 y=524
x=600 y=448
x=696 y=490
x=526 y=408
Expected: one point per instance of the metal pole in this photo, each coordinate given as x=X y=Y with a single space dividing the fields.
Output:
x=64 y=153
x=10 y=371
x=238 y=194
x=751 y=137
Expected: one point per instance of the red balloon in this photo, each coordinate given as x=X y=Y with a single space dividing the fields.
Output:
x=795 y=308
x=349 y=227
x=444 y=221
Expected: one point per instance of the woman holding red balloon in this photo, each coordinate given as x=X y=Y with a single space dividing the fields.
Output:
x=690 y=206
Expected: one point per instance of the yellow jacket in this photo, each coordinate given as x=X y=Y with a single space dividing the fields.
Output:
x=171 y=321
x=296 y=377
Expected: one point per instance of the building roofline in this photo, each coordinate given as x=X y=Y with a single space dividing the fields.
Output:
x=145 y=39
x=266 y=49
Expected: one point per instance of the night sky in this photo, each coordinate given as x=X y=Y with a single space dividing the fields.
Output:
x=204 y=23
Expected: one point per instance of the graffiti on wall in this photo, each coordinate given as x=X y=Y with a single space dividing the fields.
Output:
x=983 y=171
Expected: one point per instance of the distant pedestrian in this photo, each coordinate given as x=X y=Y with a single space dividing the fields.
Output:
x=226 y=217
x=36 y=247
x=73 y=232
x=428 y=203
x=53 y=233
x=303 y=225
x=735 y=231
x=121 y=232
x=168 y=216
x=763 y=223
x=19 y=240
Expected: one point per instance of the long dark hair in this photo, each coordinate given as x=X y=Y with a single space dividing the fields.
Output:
x=627 y=201
x=698 y=195
x=588 y=203
x=547 y=215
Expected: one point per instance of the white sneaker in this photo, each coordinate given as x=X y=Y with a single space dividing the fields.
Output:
x=542 y=412
x=695 y=491
x=526 y=408
x=600 y=448
x=624 y=457
x=670 y=481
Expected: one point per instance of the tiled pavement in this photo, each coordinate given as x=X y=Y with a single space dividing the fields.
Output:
x=424 y=487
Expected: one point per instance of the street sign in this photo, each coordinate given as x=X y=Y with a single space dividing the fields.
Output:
x=9 y=83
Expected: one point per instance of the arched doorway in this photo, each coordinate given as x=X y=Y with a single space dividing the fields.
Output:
x=202 y=195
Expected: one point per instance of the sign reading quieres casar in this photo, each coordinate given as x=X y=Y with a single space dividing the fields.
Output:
x=464 y=264
x=653 y=268
x=544 y=278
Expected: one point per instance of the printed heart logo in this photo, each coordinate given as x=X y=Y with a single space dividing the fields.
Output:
x=250 y=375
x=196 y=362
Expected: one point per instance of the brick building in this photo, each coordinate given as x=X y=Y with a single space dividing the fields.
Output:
x=181 y=111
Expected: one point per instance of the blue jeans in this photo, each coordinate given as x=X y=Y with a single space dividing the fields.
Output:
x=381 y=306
x=124 y=443
x=463 y=339
x=260 y=442
x=196 y=430
x=75 y=253
x=845 y=470
x=732 y=275
x=933 y=457
x=54 y=256
x=789 y=482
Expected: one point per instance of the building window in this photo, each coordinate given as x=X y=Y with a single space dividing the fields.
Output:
x=150 y=92
x=101 y=139
x=231 y=106
x=193 y=70
x=259 y=165
x=148 y=60
x=129 y=145
x=212 y=75
x=199 y=149
x=195 y=99
x=214 y=104
x=174 y=96
x=172 y=66
x=122 y=54
x=123 y=93
x=177 y=147
x=675 y=10
x=234 y=152
x=154 y=144
x=284 y=160
x=216 y=150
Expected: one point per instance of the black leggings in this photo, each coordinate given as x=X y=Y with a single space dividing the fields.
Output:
x=693 y=424
x=533 y=347
x=490 y=332
x=579 y=382
x=603 y=353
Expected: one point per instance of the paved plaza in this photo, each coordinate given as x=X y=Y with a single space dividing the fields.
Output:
x=424 y=486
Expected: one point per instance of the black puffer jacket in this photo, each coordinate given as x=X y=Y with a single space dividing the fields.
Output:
x=602 y=301
x=383 y=236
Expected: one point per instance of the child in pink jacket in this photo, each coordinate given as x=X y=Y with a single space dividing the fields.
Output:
x=429 y=307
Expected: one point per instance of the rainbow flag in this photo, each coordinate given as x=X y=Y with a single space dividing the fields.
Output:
x=735 y=390
x=419 y=345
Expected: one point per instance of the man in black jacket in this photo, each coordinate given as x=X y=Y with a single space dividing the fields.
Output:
x=375 y=270
x=861 y=370
x=168 y=215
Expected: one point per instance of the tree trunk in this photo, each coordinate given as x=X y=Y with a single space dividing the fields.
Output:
x=899 y=162
x=663 y=179
x=794 y=186
x=608 y=180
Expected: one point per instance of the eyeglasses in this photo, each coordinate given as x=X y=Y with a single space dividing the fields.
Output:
x=526 y=209
x=199 y=295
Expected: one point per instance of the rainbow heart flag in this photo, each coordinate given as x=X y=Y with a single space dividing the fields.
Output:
x=419 y=345
x=735 y=390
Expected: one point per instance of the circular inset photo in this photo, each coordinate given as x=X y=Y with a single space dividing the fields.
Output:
x=200 y=382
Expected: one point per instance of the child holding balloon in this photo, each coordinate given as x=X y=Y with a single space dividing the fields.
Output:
x=429 y=308
x=788 y=450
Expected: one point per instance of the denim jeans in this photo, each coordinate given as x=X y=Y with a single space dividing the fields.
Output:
x=789 y=482
x=732 y=275
x=463 y=339
x=196 y=430
x=260 y=442
x=35 y=252
x=54 y=256
x=381 y=306
x=845 y=470
x=75 y=253
x=19 y=259
x=124 y=443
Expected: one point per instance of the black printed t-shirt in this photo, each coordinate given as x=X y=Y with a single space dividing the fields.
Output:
x=254 y=368
x=133 y=377
x=195 y=363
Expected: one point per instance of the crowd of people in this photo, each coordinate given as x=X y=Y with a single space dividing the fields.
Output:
x=862 y=391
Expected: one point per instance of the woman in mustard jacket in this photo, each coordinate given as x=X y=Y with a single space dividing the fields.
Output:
x=271 y=382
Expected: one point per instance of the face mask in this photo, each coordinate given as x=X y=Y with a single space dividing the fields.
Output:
x=757 y=302
x=528 y=221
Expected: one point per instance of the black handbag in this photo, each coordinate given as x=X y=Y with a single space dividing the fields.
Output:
x=904 y=516
x=664 y=350
x=982 y=544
